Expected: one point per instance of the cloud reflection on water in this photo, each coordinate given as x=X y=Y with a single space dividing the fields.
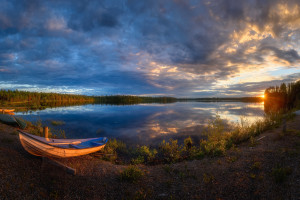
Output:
x=147 y=123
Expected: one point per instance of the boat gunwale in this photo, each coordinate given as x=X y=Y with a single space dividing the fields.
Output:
x=54 y=146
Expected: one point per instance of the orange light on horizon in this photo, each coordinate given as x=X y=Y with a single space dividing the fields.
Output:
x=262 y=96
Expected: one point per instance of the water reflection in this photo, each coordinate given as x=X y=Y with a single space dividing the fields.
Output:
x=144 y=123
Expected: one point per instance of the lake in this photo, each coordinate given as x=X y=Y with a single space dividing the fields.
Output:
x=143 y=123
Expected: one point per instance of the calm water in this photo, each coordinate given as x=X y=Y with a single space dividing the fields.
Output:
x=143 y=123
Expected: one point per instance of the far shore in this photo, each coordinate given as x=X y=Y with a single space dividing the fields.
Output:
x=267 y=168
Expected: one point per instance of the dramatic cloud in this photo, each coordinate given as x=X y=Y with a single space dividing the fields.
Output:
x=174 y=47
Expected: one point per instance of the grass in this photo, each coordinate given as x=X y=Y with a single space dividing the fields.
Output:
x=7 y=140
x=14 y=133
x=256 y=166
x=168 y=169
x=208 y=178
x=131 y=174
x=280 y=174
x=58 y=133
x=252 y=176
x=37 y=129
x=57 y=123
x=232 y=159
x=253 y=142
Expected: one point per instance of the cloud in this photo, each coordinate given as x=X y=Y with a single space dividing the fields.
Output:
x=137 y=47
x=291 y=56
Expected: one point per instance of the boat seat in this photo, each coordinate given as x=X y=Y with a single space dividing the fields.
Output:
x=85 y=145
x=78 y=146
x=88 y=144
x=96 y=143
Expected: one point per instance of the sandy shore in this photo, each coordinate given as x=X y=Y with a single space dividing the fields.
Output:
x=246 y=172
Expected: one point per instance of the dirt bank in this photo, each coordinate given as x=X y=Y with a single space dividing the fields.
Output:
x=266 y=168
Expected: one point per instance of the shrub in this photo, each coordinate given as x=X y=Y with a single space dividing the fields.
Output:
x=228 y=143
x=215 y=128
x=138 y=160
x=144 y=154
x=112 y=148
x=191 y=152
x=188 y=142
x=213 y=147
x=195 y=153
x=131 y=174
x=170 y=151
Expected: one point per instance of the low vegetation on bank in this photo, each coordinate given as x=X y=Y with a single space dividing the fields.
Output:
x=219 y=138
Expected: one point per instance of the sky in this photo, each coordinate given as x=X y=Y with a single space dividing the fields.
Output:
x=204 y=48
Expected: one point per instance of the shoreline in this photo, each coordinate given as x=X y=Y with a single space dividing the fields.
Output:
x=245 y=172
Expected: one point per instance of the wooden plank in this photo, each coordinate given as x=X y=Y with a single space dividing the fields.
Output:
x=260 y=138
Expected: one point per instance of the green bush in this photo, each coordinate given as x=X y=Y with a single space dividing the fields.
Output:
x=191 y=152
x=170 y=151
x=196 y=153
x=114 y=146
x=228 y=143
x=112 y=149
x=188 y=143
x=144 y=154
x=131 y=174
x=138 y=160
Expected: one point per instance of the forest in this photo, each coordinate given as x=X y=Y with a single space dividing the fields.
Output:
x=283 y=97
x=39 y=100
x=24 y=96
x=128 y=99
x=218 y=99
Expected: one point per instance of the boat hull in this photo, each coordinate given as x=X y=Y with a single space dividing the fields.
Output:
x=40 y=148
x=7 y=110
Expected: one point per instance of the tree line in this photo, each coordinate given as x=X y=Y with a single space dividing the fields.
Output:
x=283 y=97
x=128 y=99
x=9 y=96
x=219 y=99
x=43 y=99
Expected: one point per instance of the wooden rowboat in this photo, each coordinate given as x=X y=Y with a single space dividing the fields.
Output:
x=7 y=110
x=60 y=148
x=11 y=120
